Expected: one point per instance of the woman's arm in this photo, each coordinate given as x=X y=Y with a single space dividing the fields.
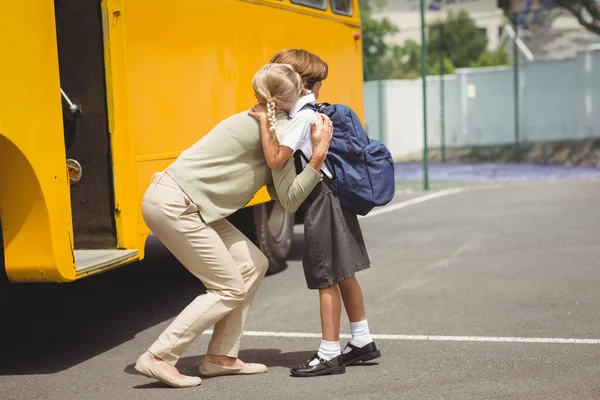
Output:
x=275 y=154
x=291 y=189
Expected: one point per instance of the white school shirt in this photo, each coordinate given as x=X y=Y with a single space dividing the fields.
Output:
x=296 y=134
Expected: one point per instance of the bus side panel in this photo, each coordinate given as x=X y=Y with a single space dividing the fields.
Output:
x=34 y=191
x=175 y=71
x=172 y=72
x=345 y=68
x=119 y=126
x=264 y=29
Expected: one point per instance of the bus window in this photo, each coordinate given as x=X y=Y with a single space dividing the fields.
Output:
x=319 y=4
x=343 y=7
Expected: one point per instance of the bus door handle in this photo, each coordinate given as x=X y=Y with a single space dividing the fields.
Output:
x=74 y=108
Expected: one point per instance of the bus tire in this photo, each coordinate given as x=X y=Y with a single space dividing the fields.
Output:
x=3 y=277
x=274 y=233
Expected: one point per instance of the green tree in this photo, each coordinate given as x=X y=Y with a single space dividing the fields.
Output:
x=436 y=67
x=402 y=62
x=459 y=41
x=490 y=59
x=374 y=33
x=456 y=38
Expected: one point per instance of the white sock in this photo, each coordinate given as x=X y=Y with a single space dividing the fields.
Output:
x=327 y=351
x=360 y=333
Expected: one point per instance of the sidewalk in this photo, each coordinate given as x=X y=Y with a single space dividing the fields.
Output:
x=410 y=175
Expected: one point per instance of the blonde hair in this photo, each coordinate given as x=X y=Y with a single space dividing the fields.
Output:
x=277 y=84
x=310 y=66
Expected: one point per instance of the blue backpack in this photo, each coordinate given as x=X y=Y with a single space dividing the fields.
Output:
x=362 y=168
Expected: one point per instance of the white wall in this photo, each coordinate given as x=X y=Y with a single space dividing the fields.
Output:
x=558 y=100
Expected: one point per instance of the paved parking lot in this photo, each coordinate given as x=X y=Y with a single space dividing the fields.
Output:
x=487 y=293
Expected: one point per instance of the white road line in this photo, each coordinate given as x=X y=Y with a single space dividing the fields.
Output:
x=421 y=199
x=429 y=338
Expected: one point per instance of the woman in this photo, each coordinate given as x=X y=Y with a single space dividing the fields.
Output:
x=186 y=207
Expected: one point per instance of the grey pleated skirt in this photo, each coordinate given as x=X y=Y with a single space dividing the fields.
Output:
x=334 y=248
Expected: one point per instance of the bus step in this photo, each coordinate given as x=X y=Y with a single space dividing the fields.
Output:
x=91 y=260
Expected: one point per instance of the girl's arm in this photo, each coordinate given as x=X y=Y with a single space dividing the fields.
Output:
x=275 y=154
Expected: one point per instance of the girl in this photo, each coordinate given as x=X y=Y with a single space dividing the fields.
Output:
x=186 y=206
x=334 y=248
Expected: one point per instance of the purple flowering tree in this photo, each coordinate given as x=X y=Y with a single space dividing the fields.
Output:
x=587 y=12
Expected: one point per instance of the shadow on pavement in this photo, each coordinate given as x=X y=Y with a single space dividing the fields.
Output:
x=52 y=327
x=270 y=357
x=49 y=328
x=154 y=385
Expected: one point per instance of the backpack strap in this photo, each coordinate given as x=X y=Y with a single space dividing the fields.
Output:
x=310 y=106
x=299 y=156
x=298 y=162
x=315 y=107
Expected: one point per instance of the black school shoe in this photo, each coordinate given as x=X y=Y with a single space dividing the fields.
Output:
x=359 y=355
x=332 y=367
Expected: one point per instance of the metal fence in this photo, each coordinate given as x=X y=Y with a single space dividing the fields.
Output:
x=557 y=101
x=503 y=86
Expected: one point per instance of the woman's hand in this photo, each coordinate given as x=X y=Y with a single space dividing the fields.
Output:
x=321 y=134
x=259 y=112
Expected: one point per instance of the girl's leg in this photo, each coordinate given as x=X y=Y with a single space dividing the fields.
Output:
x=361 y=348
x=355 y=308
x=353 y=300
x=331 y=313
x=328 y=360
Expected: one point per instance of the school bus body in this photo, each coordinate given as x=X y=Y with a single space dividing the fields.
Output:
x=157 y=76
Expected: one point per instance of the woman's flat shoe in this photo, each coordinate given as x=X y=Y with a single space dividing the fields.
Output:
x=147 y=368
x=208 y=369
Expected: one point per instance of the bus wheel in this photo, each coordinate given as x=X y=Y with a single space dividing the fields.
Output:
x=3 y=278
x=274 y=231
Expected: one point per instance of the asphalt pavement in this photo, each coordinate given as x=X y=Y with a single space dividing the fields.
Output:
x=487 y=293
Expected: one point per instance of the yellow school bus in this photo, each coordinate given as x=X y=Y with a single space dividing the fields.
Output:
x=97 y=95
